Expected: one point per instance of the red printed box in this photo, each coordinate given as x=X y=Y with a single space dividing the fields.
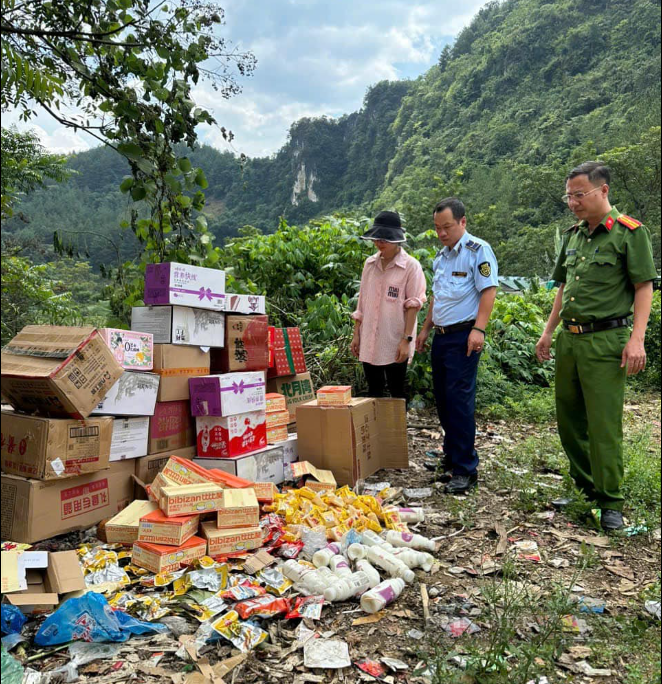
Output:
x=288 y=353
x=157 y=528
x=246 y=345
x=159 y=558
x=171 y=427
x=222 y=437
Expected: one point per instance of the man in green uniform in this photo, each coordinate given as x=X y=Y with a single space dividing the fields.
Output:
x=605 y=270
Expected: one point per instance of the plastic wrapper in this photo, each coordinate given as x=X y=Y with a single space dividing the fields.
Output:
x=12 y=619
x=211 y=579
x=242 y=592
x=461 y=626
x=290 y=549
x=243 y=635
x=276 y=582
x=214 y=605
x=313 y=540
x=90 y=618
x=326 y=654
x=307 y=607
x=372 y=667
x=12 y=670
x=110 y=573
x=418 y=493
x=262 y=607
x=151 y=608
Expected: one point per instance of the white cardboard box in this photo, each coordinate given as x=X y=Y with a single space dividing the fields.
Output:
x=130 y=438
x=180 y=325
x=183 y=284
x=228 y=394
x=134 y=394
x=132 y=350
x=245 y=304
x=265 y=465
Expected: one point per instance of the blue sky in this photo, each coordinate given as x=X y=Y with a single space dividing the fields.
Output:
x=314 y=58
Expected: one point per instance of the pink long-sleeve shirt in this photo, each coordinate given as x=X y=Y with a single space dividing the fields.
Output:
x=384 y=297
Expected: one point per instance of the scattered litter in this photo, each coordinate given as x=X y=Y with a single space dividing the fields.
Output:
x=12 y=670
x=372 y=667
x=591 y=605
x=653 y=607
x=419 y=493
x=369 y=619
x=528 y=550
x=326 y=654
x=12 y=619
x=415 y=634
x=559 y=563
x=82 y=653
x=574 y=625
x=395 y=664
x=582 y=667
x=461 y=626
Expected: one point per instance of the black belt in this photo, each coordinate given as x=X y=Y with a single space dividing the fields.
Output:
x=596 y=326
x=456 y=327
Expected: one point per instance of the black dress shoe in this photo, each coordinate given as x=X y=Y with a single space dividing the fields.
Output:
x=611 y=520
x=461 y=484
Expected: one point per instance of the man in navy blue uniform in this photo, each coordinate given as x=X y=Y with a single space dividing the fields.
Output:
x=464 y=289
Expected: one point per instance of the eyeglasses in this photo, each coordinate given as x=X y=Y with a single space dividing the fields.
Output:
x=579 y=196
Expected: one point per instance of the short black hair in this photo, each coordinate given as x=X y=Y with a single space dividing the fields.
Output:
x=454 y=204
x=597 y=172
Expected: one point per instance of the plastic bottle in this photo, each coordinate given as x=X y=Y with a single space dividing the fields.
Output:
x=373 y=575
x=414 y=559
x=314 y=582
x=322 y=557
x=356 y=552
x=411 y=515
x=384 y=593
x=371 y=538
x=294 y=571
x=357 y=583
x=413 y=541
x=339 y=566
x=392 y=565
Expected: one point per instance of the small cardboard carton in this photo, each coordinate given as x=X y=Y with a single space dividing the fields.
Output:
x=57 y=371
x=225 y=542
x=132 y=350
x=265 y=465
x=170 y=283
x=180 y=325
x=228 y=394
x=147 y=467
x=33 y=510
x=288 y=353
x=171 y=427
x=276 y=403
x=232 y=436
x=160 y=558
x=354 y=441
x=159 y=482
x=314 y=478
x=246 y=345
x=130 y=437
x=157 y=528
x=134 y=394
x=240 y=509
x=182 y=471
x=334 y=395
x=54 y=448
x=123 y=528
x=245 y=304
x=175 y=364
x=297 y=390
x=277 y=434
x=190 y=499
x=276 y=419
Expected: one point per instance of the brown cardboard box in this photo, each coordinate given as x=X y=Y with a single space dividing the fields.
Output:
x=171 y=427
x=221 y=542
x=33 y=510
x=161 y=558
x=297 y=390
x=54 y=448
x=246 y=345
x=157 y=528
x=176 y=364
x=190 y=499
x=240 y=509
x=124 y=527
x=148 y=466
x=58 y=371
x=314 y=478
x=354 y=441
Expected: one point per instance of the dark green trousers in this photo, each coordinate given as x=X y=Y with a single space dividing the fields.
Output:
x=590 y=390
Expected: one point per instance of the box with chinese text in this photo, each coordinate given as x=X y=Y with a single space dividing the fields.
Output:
x=228 y=394
x=134 y=394
x=246 y=345
x=288 y=353
x=185 y=285
x=245 y=304
x=297 y=389
x=130 y=437
x=181 y=325
x=132 y=350
x=220 y=437
x=159 y=558
x=171 y=427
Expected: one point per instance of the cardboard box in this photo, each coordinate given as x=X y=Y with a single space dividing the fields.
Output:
x=288 y=353
x=314 y=478
x=134 y=394
x=147 y=467
x=123 y=528
x=275 y=403
x=223 y=542
x=276 y=419
x=290 y=448
x=171 y=427
x=54 y=448
x=57 y=371
x=159 y=558
x=297 y=390
x=33 y=510
x=182 y=471
x=354 y=441
x=132 y=350
x=334 y=395
x=191 y=499
x=265 y=465
x=130 y=437
x=170 y=283
x=228 y=394
x=157 y=528
x=232 y=436
x=246 y=345
x=240 y=509
x=277 y=434
x=175 y=364
x=180 y=325
x=245 y=304
x=160 y=481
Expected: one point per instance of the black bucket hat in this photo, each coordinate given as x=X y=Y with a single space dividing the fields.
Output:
x=387 y=227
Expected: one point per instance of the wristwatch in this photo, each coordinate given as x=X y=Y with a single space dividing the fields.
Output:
x=409 y=338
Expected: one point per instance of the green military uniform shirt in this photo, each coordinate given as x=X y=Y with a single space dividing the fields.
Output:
x=600 y=269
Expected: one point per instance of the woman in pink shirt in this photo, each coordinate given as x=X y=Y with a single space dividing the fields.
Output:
x=391 y=294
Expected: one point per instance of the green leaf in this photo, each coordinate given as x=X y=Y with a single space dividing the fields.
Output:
x=184 y=164
x=201 y=180
x=130 y=150
x=138 y=192
x=126 y=184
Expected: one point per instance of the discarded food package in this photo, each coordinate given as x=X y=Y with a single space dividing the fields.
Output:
x=244 y=635
x=134 y=394
x=326 y=654
x=297 y=390
x=246 y=345
x=224 y=542
x=159 y=558
x=239 y=509
x=275 y=403
x=157 y=528
x=171 y=427
x=132 y=350
x=221 y=437
x=57 y=371
x=175 y=364
x=54 y=448
x=130 y=437
x=191 y=499
x=183 y=284
x=123 y=528
x=228 y=394
x=334 y=395
x=314 y=478
x=288 y=353
x=265 y=465
x=245 y=304
x=180 y=325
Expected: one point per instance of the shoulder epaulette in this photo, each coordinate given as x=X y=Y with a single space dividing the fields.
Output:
x=471 y=245
x=628 y=222
x=438 y=254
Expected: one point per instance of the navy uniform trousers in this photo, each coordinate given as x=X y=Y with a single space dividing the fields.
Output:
x=454 y=378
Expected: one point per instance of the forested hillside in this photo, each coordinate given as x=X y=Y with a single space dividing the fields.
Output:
x=530 y=88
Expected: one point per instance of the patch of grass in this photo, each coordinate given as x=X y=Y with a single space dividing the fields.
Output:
x=522 y=403
x=642 y=478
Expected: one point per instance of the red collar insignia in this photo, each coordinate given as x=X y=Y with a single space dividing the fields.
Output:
x=609 y=223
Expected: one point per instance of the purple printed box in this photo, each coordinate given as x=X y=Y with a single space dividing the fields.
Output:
x=185 y=285
x=227 y=394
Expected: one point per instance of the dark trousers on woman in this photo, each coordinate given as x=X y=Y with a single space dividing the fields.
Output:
x=392 y=376
x=454 y=378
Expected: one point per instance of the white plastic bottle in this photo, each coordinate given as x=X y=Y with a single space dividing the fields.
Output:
x=339 y=566
x=412 y=515
x=315 y=583
x=414 y=559
x=373 y=575
x=413 y=541
x=294 y=571
x=392 y=565
x=322 y=557
x=356 y=552
x=384 y=593
x=357 y=583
